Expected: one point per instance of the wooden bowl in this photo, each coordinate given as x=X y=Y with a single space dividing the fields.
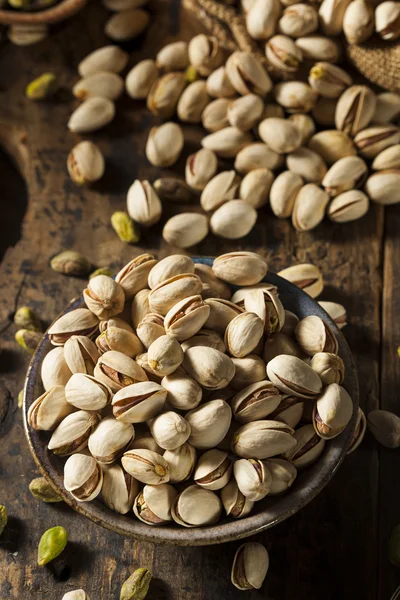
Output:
x=266 y=513
x=61 y=11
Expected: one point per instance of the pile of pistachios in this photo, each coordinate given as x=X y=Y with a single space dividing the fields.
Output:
x=169 y=376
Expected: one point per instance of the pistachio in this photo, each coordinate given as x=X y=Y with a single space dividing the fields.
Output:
x=307 y=164
x=140 y=306
x=309 y=207
x=186 y=318
x=290 y=411
x=295 y=96
x=165 y=355
x=291 y=321
x=331 y=14
x=104 y=297
x=3 y=518
x=170 y=430
x=305 y=125
x=164 y=94
x=83 y=477
x=146 y=466
x=336 y=311
x=243 y=334
x=233 y=220
x=136 y=586
x=227 y=142
x=240 y=268
x=332 y=411
x=293 y=376
x=256 y=186
x=329 y=367
x=255 y=402
x=173 y=57
x=211 y=368
x=283 y=193
x=314 y=335
x=28 y=340
x=332 y=145
x=110 y=439
x=346 y=174
x=261 y=19
x=126 y=229
x=280 y=343
x=185 y=229
x=41 y=489
x=371 y=141
x=358 y=21
x=85 y=164
x=386 y=159
x=71 y=263
x=298 y=20
x=174 y=264
x=116 y=323
x=387 y=20
x=133 y=276
x=385 y=427
x=219 y=189
x=383 y=187
x=99 y=85
x=387 y=108
x=51 y=544
x=164 y=144
x=280 y=135
x=181 y=462
x=355 y=109
x=235 y=503
x=173 y=190
x=184 y=393
x=253 y=478
x=218 y=84
x=317 y=47
x=167 y=293
x=150 y=328
x=248 y=370
x=143 y=204
x=127 y=24
x=309 y=447
x=215 y=115
x=86 y=392
x=213 y=470
x=26 y=318
x=26 y=35
x=111 y=59
x=192 y=102
x=153 y=504
x=250 y=566
x=214 y=285
x=141 y=78
x=200 y=168
x=283 y=54
x=329 y=80
x=245 y=112
x=93 y=114
x=283 y=474
x=348 y=206
x=205 y=53
x=262 y=439
x=118 y=371
x=42 y=87
x=191 y=74
x=257 y=156
x=306 y=276
x=54 y=370
x=119 y=489
x=209 y=422
x=196 y=506
x=247 y=74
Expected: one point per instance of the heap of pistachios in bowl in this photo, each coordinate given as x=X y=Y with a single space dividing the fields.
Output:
x=210 y=398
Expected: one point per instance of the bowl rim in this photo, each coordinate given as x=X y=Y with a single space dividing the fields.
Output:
x=282 y=506
x=61 y=11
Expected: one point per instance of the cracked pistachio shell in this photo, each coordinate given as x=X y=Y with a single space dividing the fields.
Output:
x=200 y=168
x=143 y=362
x=119 y=489
x=215 y=115
x=262 y=439
x=127 y=24
x=336 y=311
x=153 y=504
x=329 y=367
x=261 y=19
x=165 y=355
x=54 y=370
x=211 y=368
x=283 y=474
x=49 y=409
x=83 y=477
x=140 y=79
x=283 y=193
x=314 y=335
x=317 y=47
x=214 y=287
x=235 y=503
x=186 y=318
x=280 y=135
x=247 y=74
x=385 y=427
x=387 y=20
x=346 y=174
x=240 y=268
x=117 y=370
x=146 y=466
x=250 y=566
x=355 y=109
x=248 y=370
x=280 y=343
x=219 y=189
x=295 y=96
x=80 y=354
x=309 y=207
x=221 y=313
x=387 y=108
x=383 y=187
x=331 y=13
x=181 y=462
x=219 y=85
x=359 y=431
x=86 y=392
x=290 y=411
x=133 y=276
x=196 y=506
x=173 y=57
x=371 y=141
x=291 y=321
x=73 y=432
x=349 y=206
x=174 y=264
x=255 y=187
x=86 y=163
x=332 y=145
x=257 y=156
x=358 y=21
x=184 y=393
x=255 y=402
x=205 y=337
x=308 y=448
x=110 y=439
x=332 y=411
x=298 y=20
x=170 y=430
x=305 y=124
x=164 y=94
x=213 y=470
x=139 y=402
x=283 y=54
x=245 y=112
x=80 y=321
x=387 y=159
x=293 y=376
x=227 y=142
x=170 y=291
x=306 y=276
x=164 y=144
x=205 y=53
x=93 y=114
x=307 y=164
x=150 y=328
x=233 y=220
x=243 y=334
x=140 y=305
x=192 y=102
x=102 y=85
x=209 y=423
x=143 y=203
x=111 y=59
x=185 y=229
x=121 y=340
x=253 y=478
x=104 y=296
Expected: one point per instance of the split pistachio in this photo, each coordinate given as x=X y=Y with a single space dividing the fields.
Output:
x=167 y=293
x=332 y=411
x=250 y=566
x=348 y=206
x=173 y=56
x=308 y=448
x=185 y=229
x=293 y=376
x=329 y=367
x=283 y=193
x=138 y=402
x=233 y=219
x=196 y=506
x=282 y=53
x=283 y=474
x=385 y=427
x=387 y=20
x=235 y=503
x=358 y=21
x=221 y=313
x=51 y=544
x=205 y=53
x=99 y=85
x=329 y=80
x=111 y=59
x=389 y=158
x=136 y=586
x=186 y=318
x=245 y=112
x=371 y=141
x=83 y=477
x=146 y=466
x=257 y=156
x=54 y=370
x=218 y=84
x=213 y=470
x=70 y=263
x=126 y=229
x=332 y=145
x=153 y=504
x=127 y=24
x=93 y=114
x=164 y=94
x=181 y=462
x=205 y=337
x=383 y=187
x=209 y=367
x=209 y=423
x=192 y=102
x=140 y=306
x=150 y=328
x=262 y=439
x=133 y=276
x=346 y=174
x=290 y=411
x=119 y=489
x=215 y=115
x=143 y=204
x=118 y=371
x=256 y=186
x=247 y=74
x=227 y=142
x=41 y=489
x=298 y=20
x=104 y=297
x=253 y=478
x=255 y=402
x=164 y=144
x=141 y=78
x=309 y=207
x=315 y=335
x=306 y=276
x=355 y=109
x=200 y=168
x=280 y=135
x=219 y=189
x=331 y=14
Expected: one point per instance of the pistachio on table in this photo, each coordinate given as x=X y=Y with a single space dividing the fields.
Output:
x=250 y=566
x=51 y=544
x=136 y=586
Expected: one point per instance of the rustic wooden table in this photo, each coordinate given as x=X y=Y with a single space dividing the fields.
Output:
x=334 y=548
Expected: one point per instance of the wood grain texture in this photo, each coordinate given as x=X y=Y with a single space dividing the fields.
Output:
x=336 y=547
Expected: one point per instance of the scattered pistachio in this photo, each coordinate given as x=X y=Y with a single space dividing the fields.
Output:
x=51 y=544
x=71 y=263
x=40 y=488
x=136 y=586
x=125 y=228
x=42 y=87
x=26 y=318
x=28 y=340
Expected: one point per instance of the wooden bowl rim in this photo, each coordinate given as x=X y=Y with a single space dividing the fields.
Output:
x=61 y=11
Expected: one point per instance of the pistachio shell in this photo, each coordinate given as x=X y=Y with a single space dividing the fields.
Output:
x=109 y=440
x=164 y=144
x=233 y=220
x=257 y=156
x=247 y=74
x=250 y=566
x=138 y=402
x=196 y=506
x=140 y=79
x=185 y=229
x=108 y=58
x=127 y=24
x=280 y=135
x=293 y=376
x=101 y=84
x=93 y=114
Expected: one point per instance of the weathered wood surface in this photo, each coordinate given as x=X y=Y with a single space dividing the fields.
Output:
x=336 y=547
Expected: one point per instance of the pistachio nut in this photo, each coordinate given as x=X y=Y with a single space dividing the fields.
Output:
x=136 y=586
x=371 y=141
x=146 y=466
x=185 y=229
x=219 y=189
x=153 y=504
x=387 y=20
x=186 y=318
x=126 y=229
x=54 y=370
x=119 y=489
x=164 y=145
x=205 y=53
x=295 y=96
x=41 y=489
x=305 y=124
x=332 y=411
x=383 y=187
x=209 y=367
x=358 y=21
x=3 y=518
x=317 y=47
x=385 y=427
x=283 y=193
x=143 y=362
x=104 y=296
x=26 y=318
x=256 y=186
x=233 y=220
x=252 y=478
x=49 y=409
x=173 y=57
x=245 y=112
x=261 y=19
x=110 y=439
x=293 y=376
x=26 y=35
x=307 y=164
x=336 y=311
x=308 y=448
x=133 y=276
x=117 y=370
x=28 y=340
x=227 y=142
x=165 y=355
x=315 y=335
x=181 y=462
x=346 y=174
x=127 y=24
x=324 y=112
x=184 y=393
x=140 y=79
x=280 y=343
x=309 y=207
x=93 y=114
x=283 y=474
x=144 y=440
x=200 y=168
x=248 y=370
x=73 y=432
x=221 y=313
x=332 y=145
x=329 y=80
x=387 y=108
x=235 y=503
x=280 y=135
x=173 y=190
x=355 y=109
x=262 y=439
x=331 y=13
x=298 y=20
x=257 y=156
x=143 y=204
x=51 y=544
x=213 y=470
x=214 y=287
x=329 y=367
x=218 y=84
x=140 y=305
x=86 y=163
x=271 y=109
x=102 y=84
x=247 y=74
x=111 y=59
x=243 y=334
x=138 y=402
x=87 y=393
x=291 y=321
x=196 y=506
x=289 y=410
x=283 y=54
x=387 y=159
x=306 y=276
x=83 y=477
x=192 y=102
x=167 y=293
x=348 y=206
x=71 y=263
x=209 y=423
x=215 y=115
x=164 y=94
x=264 y=302
x=255 y=402
x=250 y=566
x=121 y=340
x=170 y=430
x=150 y=328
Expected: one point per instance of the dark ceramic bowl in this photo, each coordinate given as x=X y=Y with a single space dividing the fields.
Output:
x=266 y=513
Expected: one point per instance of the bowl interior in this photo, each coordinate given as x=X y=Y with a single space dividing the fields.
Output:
x=266 y=513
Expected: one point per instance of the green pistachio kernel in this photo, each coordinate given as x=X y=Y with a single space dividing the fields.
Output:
x=28 y=340
x=3 y=518
x=26 y=318
x=41 y=489
x=126 y=229
x=137 y=586
x=51 y=544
